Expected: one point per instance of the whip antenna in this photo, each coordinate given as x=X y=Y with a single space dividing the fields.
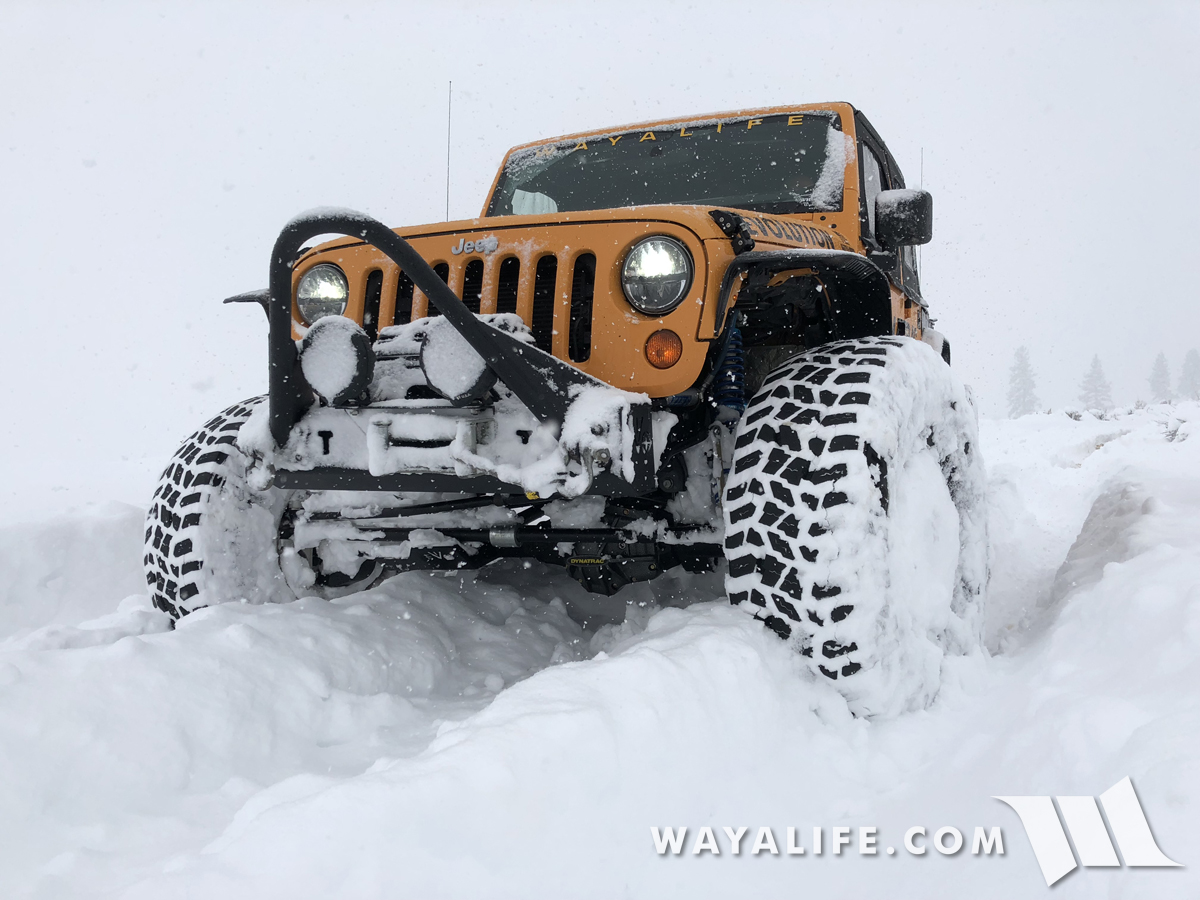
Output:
x=449 y=102
x=921 y=185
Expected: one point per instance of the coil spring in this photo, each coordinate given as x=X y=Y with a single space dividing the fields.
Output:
x=730 y=388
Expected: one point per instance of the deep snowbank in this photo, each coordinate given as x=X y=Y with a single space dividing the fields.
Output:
x=447 y=737
x=69 y=568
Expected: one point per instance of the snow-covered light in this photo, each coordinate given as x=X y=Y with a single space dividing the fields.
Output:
x=656 y=275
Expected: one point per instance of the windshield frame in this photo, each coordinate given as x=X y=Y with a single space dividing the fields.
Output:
x=841 y=116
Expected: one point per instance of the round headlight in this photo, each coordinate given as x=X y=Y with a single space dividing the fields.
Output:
x=322 y=292
x=656 y=275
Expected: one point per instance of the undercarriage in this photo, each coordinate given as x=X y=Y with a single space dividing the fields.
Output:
x=347 y=538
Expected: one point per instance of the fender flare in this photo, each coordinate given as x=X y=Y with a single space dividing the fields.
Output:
x=861 y=296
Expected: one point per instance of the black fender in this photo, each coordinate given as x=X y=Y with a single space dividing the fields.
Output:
x=858 y=289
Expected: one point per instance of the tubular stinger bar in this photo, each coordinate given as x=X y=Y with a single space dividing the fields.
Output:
x=527 y=371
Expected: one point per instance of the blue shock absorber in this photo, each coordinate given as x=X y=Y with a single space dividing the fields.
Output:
x=729 y=395
x=729 y=392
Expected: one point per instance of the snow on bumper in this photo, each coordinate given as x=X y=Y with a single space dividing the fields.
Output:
x=425 y=440
x=605 y=435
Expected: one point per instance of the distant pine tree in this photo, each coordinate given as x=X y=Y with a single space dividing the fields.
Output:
x=1160 y=380
x=1022 y=398
x=1096 y=392
x=1189 y=377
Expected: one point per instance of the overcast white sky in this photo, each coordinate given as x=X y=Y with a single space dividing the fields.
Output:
x=152 y=152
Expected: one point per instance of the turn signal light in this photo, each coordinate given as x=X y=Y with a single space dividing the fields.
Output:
x=663 y=349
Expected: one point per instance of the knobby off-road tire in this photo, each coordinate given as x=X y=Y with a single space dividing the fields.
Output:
x=210 y=538
x=855 y=520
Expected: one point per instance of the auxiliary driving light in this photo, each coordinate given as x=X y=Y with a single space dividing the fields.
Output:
x=337 y=361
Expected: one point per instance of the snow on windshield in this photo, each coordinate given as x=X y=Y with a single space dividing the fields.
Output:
x=785 y=163
x=827 y=192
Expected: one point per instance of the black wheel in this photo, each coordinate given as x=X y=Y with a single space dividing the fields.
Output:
x=210 y=537
x=855 y=519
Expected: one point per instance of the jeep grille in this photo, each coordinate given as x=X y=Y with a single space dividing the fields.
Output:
x=486 y=286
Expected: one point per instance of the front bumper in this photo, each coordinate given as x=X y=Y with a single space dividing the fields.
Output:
x=546 y=430
x=424 y=447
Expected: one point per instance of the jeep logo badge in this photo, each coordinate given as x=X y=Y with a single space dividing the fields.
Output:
x=483 y=245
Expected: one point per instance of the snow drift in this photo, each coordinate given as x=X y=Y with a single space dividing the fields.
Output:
x=462 y=736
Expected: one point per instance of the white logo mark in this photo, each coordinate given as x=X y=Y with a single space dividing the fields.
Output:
x=488 y=244
x=1082 y=816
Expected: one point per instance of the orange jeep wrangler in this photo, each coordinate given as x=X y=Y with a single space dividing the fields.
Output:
x=694 y=342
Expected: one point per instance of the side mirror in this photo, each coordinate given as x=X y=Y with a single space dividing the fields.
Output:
x=903 y=217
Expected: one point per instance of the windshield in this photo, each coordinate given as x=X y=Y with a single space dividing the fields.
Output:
x=788 y=163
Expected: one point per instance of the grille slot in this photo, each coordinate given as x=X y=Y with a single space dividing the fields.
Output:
x=506 y=285
x=583 y=286
x=473 y=284
x=542 y=317
x=404 y=300
x=558 y=310
x=442 y=270
x=371 y=303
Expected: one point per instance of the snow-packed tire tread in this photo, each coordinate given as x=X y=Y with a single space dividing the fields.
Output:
x=803 y=459
x=172 y=562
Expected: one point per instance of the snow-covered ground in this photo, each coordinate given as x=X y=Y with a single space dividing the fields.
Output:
x=461 y=736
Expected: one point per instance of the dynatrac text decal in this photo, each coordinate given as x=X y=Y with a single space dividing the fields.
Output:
x=1048 y=835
